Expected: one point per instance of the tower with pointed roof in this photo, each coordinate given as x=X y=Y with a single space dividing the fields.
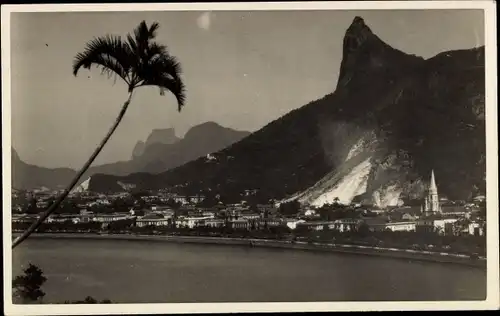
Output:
x=431 y=202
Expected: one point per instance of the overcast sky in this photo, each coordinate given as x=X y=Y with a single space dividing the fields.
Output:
x=242 y=70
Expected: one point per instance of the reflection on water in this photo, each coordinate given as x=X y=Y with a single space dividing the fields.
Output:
x=156 y=272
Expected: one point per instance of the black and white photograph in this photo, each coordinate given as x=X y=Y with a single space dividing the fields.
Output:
x=276 y=157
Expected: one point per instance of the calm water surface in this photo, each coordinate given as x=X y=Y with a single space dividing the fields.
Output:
x=161 y=272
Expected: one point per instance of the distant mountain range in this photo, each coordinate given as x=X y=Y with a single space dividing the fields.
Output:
x=392 y=119
x=161 y=151
x=25 y=176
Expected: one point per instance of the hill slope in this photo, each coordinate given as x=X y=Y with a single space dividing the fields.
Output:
x=392 y=119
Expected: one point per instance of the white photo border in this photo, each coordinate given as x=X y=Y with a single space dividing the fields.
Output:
x=492 y=300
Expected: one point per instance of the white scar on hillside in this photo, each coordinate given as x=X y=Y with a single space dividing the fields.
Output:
x=388 y=196
x=350 y=186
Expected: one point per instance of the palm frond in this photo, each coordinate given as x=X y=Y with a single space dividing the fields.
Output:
x=164 y=71
x=176 y=87
x=143 y=34
x=131 y=42
x=109 y=53
x=152 y=30
x=137 y=60
x=156 y=51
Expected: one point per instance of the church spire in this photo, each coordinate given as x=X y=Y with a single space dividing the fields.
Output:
x=432 y=185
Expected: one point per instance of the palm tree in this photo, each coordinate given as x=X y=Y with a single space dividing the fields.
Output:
x=139 y=62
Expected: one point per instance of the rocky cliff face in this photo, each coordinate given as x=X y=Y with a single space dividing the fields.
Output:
x=392 y=119
x=157 y=136
x=138 y=149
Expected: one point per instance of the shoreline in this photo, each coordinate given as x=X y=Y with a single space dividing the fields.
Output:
x=402 y=254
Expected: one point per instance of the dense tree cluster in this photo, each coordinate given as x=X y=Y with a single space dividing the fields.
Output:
x=27 y=287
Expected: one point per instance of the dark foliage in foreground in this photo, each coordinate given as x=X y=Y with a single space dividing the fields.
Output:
x=27 y=287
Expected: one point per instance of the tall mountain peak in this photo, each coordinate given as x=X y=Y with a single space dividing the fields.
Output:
x=357 y=34
x=162 y=136
x=364 y=52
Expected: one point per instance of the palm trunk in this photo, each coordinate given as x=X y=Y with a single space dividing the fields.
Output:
x=68 y=189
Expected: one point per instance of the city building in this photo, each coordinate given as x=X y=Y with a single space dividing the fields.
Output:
x=239 y=224
x=194 y=199
x=401 y=226
x=268 y=222
x=293 y=222
x=208 y=213
x=341 y=225
x=476 y=229
x=102 y=218
x=424 y=225
x=479 y=198
x=151 y=220
x=317 y=225
x=309 y=212
x=24 y=218
x=213 y=223
x=444 y=226
x=249 y=216
x=347 y=224
x=459 y=211
x=191 y=222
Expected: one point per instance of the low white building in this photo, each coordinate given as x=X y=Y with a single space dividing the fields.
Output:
x=476 y=229
x=319 y=225
x=250 y=216
x=142 y=222
x=479 y=198
x=191 y=222
x=347 y=224
x=445 y=225
x=378 y=211
x=208 y=214
x=111 y=218
x=193 y=199
x=401 y=226
x=213 y=223
x=239 y=224
x=310 y=212
x=24 y=218
x=55 y=219
x=292 y=222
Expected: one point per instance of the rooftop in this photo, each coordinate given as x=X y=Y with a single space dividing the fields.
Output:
x=151 y=219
